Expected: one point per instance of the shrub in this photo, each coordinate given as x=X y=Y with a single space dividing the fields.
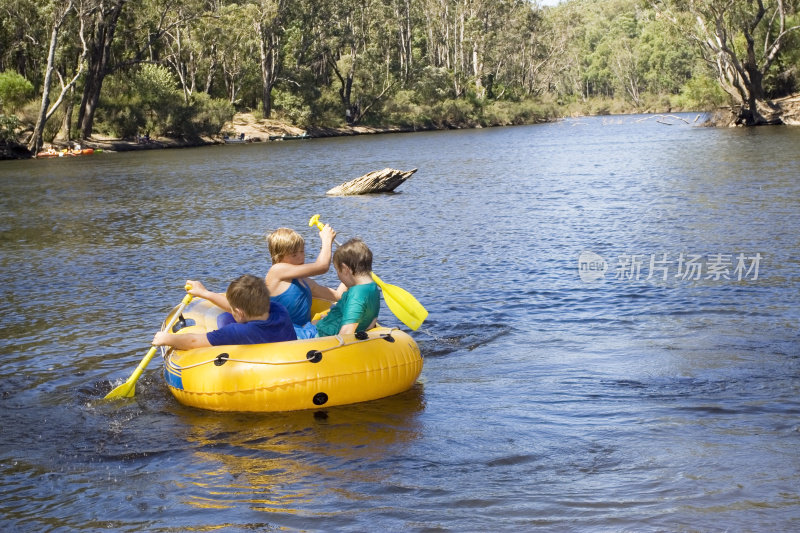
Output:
x=327 y=109
x=402 y=110
x=15 y=90
x=202 y=116
x=160 y=98
x=292 y=107
x=8 y=128
x=433 y=85
x=701 y=93
x=120 y=113
x=149 y=101
x=454 y=113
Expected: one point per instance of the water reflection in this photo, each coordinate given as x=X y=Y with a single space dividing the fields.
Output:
x=279 y=462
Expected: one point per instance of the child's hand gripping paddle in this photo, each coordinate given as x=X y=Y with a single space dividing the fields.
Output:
x=128 y=389
x=399 y=301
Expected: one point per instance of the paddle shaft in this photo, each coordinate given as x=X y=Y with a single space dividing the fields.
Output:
x=127 y=389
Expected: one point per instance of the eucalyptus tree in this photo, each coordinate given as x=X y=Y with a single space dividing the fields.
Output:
x=563 y=31
x=531 y=44
x=625 y=61
x=61 y=11
x=487 y=27
x=23 y=37
x=182 y=45
x=100 y=17
x=268 y=19
x=669 y=60
x=405 y=24
x=741 y=40
x=350 y=34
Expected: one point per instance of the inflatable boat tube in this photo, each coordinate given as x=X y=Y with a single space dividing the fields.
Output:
x=288 y=376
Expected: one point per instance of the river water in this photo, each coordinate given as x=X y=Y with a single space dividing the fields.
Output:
x=655 y=387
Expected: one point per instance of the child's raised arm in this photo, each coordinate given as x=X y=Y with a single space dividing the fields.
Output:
x=286 y=271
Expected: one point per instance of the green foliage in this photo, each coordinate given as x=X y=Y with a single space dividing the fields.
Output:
x=784 y=79
x=203 y=115
x=149 y=102
x=504 y=113
x=292 y=107
x=701 y=93
x=454 y=113
x=8 y=127
x=120 y=113
x=327 y=109
x=433 y=84
x=144 y=101
x=15 y=90
x=159 y=98
x=413 y=64
x=404 y=110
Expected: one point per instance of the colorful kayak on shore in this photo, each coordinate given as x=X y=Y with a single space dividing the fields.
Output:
x=65 y=152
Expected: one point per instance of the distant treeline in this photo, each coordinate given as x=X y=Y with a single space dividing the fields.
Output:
x=183 y=67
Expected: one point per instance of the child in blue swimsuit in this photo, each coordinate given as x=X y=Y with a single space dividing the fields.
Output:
x=288 y=277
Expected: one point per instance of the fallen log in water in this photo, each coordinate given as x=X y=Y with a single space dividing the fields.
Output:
x=385 y=180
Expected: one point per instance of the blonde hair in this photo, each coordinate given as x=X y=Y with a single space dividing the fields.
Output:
x=283 y=242
x=355 y=255
x=250 y=294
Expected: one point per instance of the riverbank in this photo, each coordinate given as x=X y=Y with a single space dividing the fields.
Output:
x=245 y=127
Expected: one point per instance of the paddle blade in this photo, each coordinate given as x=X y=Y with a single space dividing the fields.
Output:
x=404 y=306
x=126 y=390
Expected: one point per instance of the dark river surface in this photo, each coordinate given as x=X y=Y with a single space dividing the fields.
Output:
x=654 y=388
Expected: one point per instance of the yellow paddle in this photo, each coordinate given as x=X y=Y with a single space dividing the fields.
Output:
x=128 y=389
x=399 y=301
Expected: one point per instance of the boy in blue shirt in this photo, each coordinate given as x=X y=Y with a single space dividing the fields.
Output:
x=358 y=307
x=258 y=320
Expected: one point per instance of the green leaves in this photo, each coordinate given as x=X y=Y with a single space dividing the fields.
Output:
x=15 y=90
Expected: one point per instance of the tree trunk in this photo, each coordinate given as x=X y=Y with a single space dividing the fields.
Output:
x=268 y=49
x=100 y=51
x=35 y=142
x=66 y=124
x=386 y=180
x=722 y=28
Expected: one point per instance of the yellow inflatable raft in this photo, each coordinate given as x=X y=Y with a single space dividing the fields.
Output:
x=288 y=376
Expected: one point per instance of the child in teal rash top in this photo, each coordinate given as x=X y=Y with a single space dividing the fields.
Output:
x=358 y=307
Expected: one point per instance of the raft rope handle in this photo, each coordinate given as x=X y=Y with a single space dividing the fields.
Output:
x=168 y=360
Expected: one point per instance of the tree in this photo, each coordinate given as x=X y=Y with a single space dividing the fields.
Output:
x=23 y=34
x=60 y=12
x=741 y=40
x=102 y=16
x=268 y=27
